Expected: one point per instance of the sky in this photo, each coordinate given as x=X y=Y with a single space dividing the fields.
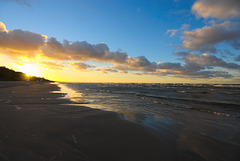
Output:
x=138 y=41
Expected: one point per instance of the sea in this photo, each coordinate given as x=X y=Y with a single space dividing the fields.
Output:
x=191 y=111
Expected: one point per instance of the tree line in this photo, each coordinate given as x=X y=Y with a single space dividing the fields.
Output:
x=7 y=74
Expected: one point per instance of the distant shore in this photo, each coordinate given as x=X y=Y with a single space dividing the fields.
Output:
x=35 y=126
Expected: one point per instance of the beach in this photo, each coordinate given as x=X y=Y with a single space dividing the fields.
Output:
x=37 y=124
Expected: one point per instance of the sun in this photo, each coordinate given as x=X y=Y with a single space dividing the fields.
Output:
x=29 y=69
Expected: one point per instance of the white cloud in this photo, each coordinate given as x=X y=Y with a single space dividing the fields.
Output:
x=204 y=39
x=172 y=32
x=220 y=9
x=20 y=40
x=2 y=27
x=185 y=26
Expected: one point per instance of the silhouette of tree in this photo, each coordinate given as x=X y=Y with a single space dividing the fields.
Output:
x=11 y=75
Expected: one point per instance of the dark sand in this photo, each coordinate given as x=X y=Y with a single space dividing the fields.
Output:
x=34 y=126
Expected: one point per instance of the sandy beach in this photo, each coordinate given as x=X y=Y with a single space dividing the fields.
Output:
x=36 y=125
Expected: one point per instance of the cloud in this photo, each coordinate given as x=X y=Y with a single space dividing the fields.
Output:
x=141 y=64
x=175 y=31
x=204 y=39
x=193 y=75
x=2 y=27
x=21 y=2
x=20 y=40
x=52 y=65
x=172 y=32
x=138 y=74
x=193 y=60
x=82 y=51
x=54 y=49
x=195 y=66
x=185 y=26
x=107 y=70
x=24 y=43
x=237 y=58
x=220 y=9
x=82 y=66
x=206 y=75
x=168 y=65
x=139 y=61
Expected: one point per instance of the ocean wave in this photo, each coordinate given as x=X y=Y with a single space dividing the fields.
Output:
x=219 y=104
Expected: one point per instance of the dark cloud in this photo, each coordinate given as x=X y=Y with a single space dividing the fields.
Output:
x=220 y=9
x=168 y=65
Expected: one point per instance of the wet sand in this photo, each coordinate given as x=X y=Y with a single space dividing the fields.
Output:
x=35 y=125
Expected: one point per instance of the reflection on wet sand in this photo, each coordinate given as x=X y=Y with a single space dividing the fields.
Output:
x=190 y=134
x=70 y=94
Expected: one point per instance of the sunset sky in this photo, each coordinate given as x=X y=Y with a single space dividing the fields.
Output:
x=143 y=41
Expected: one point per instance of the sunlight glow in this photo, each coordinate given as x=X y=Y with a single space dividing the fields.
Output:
x=29 y=69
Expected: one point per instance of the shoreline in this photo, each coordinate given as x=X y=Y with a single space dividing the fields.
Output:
x=36 y=125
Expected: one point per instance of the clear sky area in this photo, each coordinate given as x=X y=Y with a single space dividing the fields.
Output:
x=140 y=41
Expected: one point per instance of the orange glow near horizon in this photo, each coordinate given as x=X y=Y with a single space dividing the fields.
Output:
x=29 y=69
x=34 y=68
